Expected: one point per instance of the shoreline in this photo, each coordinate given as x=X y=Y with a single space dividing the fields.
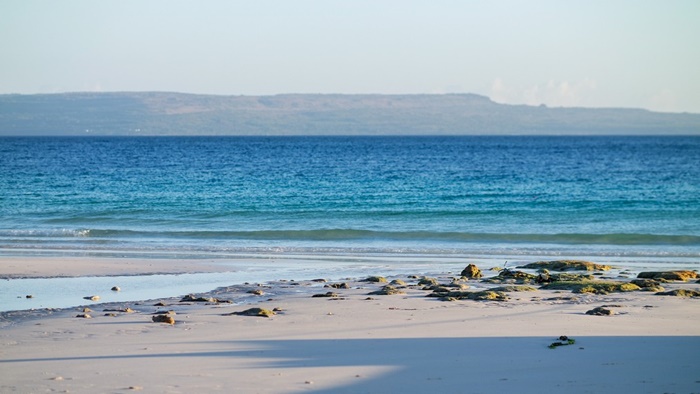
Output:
x=360 y=342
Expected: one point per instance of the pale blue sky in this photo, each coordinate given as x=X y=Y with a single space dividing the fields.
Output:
x=589 y=53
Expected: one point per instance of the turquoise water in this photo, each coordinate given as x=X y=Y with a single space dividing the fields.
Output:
x=488 y=195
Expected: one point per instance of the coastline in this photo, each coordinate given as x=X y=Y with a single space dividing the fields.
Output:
x=354 y=342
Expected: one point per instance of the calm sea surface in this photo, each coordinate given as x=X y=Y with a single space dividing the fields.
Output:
x=599 y=196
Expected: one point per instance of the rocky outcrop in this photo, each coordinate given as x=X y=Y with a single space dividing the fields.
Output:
x=512 y=277
x=669 y=275
x=566 y=265
x=681 y=293
x=472 y=272
x=387 y=290
x=594 y=287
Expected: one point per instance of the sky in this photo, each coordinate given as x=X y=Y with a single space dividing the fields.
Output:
x=592 y=53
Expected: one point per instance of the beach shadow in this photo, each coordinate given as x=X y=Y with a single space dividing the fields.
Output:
x=476 y=365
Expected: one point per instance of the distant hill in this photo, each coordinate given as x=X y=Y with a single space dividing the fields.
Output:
x=157 y=113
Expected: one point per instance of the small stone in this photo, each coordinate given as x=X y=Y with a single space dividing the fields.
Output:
x=30 y=296
x=92 y=298
x=600 y=311
x=257 y=292
x=116 y=288
x=168 y=319
x=329 y=294
x=57 y=378
x=260 y=312
x=83 y=316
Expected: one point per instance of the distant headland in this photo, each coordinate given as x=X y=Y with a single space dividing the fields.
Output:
x=163 y=113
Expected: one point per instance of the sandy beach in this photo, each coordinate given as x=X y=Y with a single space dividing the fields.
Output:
x=353 y=341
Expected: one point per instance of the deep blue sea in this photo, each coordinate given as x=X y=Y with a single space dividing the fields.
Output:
x=524 y=195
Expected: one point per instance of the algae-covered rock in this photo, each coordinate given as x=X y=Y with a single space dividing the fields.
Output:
x=472 y=272
x=259 y=312
x=192 y=298
x=338 y=285
x=600 y=311
x=397 y=282
x=681 y=293
x=648 y=284
x=566 y=265
x=428 y=282
x=376 y=279
x=513 y=289
x=387 y=290
x=329 y=294
x=668 y=275
x=484 y=295
x=512 y=277
x=168 y=319
x=594 y=287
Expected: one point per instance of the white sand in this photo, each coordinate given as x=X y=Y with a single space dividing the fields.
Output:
x=399 y=343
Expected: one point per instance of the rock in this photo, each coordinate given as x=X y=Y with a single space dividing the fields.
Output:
x=512 y=289
x=566 y=265
x=472 y=272
x=257 y=292
x=84 y=316
x=594 y=287
x=510 y=276
x=397 y=282
x=668 y=275
x=387 y=290
x=376 y=279
x=168 y=319
x=92 y=298
x=116 y=288
x=192 y=298
x=428 y=282
x=259 y=312
x=484 y=295
x=600 y=311
x=648 y=284
x=329 y=294
x=319 y=280
x=29 y=296
x=338 y=285
x=87 y=310
x=681 y=293
x=121 y=310
x=159 y=304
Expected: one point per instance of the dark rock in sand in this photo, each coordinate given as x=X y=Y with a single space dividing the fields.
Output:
x=84 y=316
x=600 y=311
x=338 y=285
x=116 y=288
x=512 y=277
x=329 y=294
x=681 y=293
x=594 y=287
x=648 y=284
x=257 y=292
x=387 y=290
x=485 y=295
x=92 y=298
x=376 y=279
x=566 y=265
x=472 y=272
x=428 y=282
x=192 y=298
x=668 y=275
x=168 y=319
x=512 y=289
x=397 y=282
x=259 y=312
x=319 y=280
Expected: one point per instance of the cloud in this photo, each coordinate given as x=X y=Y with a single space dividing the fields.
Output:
x=552 y=93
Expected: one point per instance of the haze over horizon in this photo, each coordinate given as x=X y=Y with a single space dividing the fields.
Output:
x=623 y=54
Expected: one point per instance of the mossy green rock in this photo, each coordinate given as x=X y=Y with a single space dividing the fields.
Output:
x=484 y=295
x=648 y=284
x=567 y=265
x=594 y=287
x=681 y=293
x=514 y=277
x=668 y=275
x=376 y=279
x=397 y=282
x=259 y=312
x=514 y=289
x=472 y=272
x=428 y=282
x=387 y=290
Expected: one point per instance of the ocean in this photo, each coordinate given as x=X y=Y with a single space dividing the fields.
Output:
x=510 y=197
